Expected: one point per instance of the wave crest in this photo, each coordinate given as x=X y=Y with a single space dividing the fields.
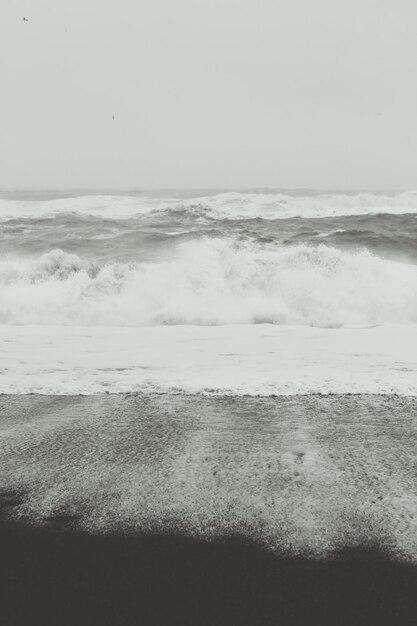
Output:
x=220 y=206
x=211 y=282
x=52 y=265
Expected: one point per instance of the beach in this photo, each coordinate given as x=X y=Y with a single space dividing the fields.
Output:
x=297 y=502
x=208 y=408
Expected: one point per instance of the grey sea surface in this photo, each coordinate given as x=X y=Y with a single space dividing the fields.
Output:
x=284 y=257
x=151 y=236
x=94 y=223
x=305 y=475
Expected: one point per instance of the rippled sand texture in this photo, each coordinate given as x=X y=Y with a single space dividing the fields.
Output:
x=303 y=474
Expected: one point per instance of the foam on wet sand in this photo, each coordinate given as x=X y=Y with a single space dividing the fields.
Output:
x=260 y=359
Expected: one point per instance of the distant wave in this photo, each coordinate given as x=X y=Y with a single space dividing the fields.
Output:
x=211 y=282
x=228 y=205
x=147 y=236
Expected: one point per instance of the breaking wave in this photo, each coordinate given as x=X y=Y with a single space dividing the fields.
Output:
x=211 y=282
x=227 y=205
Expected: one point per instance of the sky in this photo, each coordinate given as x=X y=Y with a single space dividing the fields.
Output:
x=208 y=93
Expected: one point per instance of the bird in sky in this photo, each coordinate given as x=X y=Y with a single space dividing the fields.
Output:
x=112 y=117
x=25 y=19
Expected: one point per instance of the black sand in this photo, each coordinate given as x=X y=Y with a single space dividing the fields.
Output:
x=51 y=577
x=54 y=572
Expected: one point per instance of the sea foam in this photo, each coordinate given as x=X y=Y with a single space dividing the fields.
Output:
x=211 y=282
x=227 y=205
x=245 y=360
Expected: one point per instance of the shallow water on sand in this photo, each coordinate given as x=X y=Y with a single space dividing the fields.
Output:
x=307 y=475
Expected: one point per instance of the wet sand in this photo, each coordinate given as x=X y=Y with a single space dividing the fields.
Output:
x=51 y=577
x=204 y=510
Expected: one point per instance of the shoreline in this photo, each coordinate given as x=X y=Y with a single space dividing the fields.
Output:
x=251 y=359
x=160 y=509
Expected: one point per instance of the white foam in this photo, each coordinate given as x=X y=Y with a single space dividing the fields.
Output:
x=211 y=282
x=120 y=207
x=281 y=205
x=232 y=205
x=245 y=359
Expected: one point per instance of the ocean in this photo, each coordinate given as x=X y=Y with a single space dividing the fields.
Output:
x=249 y=293
x=232 y=370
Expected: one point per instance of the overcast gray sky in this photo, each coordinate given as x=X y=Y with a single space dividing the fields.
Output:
x=208 y=93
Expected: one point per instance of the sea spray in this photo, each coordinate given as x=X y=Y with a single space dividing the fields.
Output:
x=212 y=281
x=218 y=206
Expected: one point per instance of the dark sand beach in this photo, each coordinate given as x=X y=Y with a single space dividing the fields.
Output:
x=52 y=576
x=208 y=510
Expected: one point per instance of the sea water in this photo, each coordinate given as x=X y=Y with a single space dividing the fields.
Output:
x=261 y=292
